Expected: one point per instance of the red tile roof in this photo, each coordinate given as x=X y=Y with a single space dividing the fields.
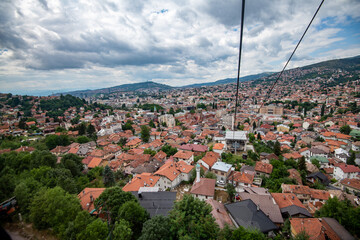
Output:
x=312 y=226
x=297 y=189
x=263 y=167
x=85 y=197
x=353 y=183
x=205 y=187
x=219 y=213
x=241 y=177
x=183 y=155
x=141 y=180
x=95 y=162
x=319 y=194
x=286 y=200
x=218 y=146
x=347 y=168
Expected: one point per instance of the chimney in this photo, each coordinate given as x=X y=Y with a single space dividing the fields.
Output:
x=197 y=172
x=218 y=210
x=91 y=198
x=257 y=208
x=293 y=198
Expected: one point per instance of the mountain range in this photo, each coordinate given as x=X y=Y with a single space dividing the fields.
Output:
x=348 y=64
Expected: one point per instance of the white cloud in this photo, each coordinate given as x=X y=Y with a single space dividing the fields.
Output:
x=95 y=43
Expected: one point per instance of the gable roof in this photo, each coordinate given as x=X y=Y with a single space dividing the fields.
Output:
x=85 y=197
x=95 y=162
x=286 y=200
x=337 y=228
x=266 y=204
x=297 y=189
x=141 y=180
x=219 y=213
x=347 y=168
x=353 y=183
x=246 y=214
x=172 y=169
x=205 y=187
x=183 y=154
x=263 y=167
x=241 y=177
x=312 y=226
x=156 y=203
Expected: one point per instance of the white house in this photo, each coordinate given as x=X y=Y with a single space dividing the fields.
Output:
x=343 y=170
x=222 y=171
x=173 y=173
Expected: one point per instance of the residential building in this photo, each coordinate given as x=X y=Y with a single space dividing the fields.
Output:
x=248 y=215
x=343 y=170
x=222 y=171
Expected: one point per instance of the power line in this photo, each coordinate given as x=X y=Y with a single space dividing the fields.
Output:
x=238 y=73
x=272 y=87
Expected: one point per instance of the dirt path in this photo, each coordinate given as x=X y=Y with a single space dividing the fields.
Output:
x=25 y=231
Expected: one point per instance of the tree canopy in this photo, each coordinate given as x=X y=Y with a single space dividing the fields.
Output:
x=191 y=219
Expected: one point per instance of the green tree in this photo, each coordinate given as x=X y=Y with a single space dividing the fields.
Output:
x=52 y=141
x=112 y=199
x=302 y=164
x=171 y=111
x=316 y=163
x=76 y=228
x=122 y=231
x=74 y=163
x=254 y=125
x=210 y=175
x=128 y=126
x=247 y=234
x=277 y=148
x=108 y=177
x=96 y=230
x=169 y=150
x=54 y=208
x=351 y=159
x=25 y=192
x=156 y=228
x=191 y=219
x=152 y=124
x=135 y=215
x=251 y=137
x=145 y=133
x=82 y=139
x=122 y=141
x=42 y=158
x=82 y=128
x=90 y=130
x=322 y=110
x=149 y=151
x=259 y=136
x=230 y=189
x=302 y=236
x=346 y=129
x=343 y=212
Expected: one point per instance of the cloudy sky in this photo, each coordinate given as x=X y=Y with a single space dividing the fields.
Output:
x=54 y=45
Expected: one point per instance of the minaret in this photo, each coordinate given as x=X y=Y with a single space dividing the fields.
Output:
x=197 y=172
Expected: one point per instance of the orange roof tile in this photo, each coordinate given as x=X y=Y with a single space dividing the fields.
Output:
x=312 y=226
x=88 y=196
x=95 y=162
x=263 y=167
x=141 y=180
x=218 y=146
x=286 y=200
